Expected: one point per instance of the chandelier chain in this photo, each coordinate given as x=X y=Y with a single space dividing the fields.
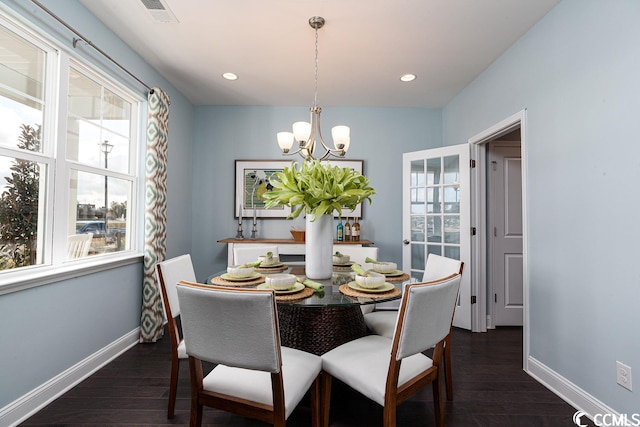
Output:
x=308 y=134
x=315 y=96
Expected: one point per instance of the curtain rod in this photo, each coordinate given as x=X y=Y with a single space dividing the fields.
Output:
x=84 y=39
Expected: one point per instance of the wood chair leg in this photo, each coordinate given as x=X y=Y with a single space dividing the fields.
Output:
x=173 y=386
x=437 y=402
x=195 y=420
x=325 y=402
x=389 y=416
x=195 y=373
x=448 y=379
x=316 y=415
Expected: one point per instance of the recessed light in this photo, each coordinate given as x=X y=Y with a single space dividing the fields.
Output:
x=230 y=76
x=408 y=77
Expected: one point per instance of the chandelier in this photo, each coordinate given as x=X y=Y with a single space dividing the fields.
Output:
x=308 y=134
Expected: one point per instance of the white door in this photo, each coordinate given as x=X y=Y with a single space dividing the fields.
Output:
x=505 y=233
x=436 y=215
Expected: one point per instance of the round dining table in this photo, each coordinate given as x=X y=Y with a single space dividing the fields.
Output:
x=318 y=321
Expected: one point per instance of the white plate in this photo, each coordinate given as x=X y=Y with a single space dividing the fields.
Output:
x=296 y=288
x=274 y=265
x=386 y=287
x=392 y=273
x=232 y=278
x=343 y=264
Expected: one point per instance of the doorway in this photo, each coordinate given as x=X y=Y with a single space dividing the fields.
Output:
x=479 y=219
x=504 y=223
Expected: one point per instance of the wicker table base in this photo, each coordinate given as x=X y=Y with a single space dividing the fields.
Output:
x=319 y=329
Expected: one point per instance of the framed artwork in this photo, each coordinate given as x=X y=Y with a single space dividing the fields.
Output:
x=252 y=181
x=357 y=165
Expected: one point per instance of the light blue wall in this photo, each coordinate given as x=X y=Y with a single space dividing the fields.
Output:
x=48 y=329
x=379 y=136
x=577 y=74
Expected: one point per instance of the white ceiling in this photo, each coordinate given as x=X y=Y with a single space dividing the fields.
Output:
x=364 y=47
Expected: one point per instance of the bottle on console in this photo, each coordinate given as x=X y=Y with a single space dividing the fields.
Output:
x=347 y=231
x=355 y=230
x=340 y=236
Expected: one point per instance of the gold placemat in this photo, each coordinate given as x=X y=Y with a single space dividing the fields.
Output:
x=305 y=293
x=278 y=269
x=402 y=278
x=345 y=289
x=218 y=280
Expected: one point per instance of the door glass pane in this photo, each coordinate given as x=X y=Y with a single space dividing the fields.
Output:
x=416 y=276
x=417 y=173
x=418 y=201
x=433 y=171
x=434 y=229
x=451 y=169
x=417 y=257
x=451 y=199
x=452 y=252
x=433 y=200
x=434 y=249
x=417 y=229
x=452 y=229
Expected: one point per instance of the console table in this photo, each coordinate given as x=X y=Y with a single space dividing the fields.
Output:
x=285 y=246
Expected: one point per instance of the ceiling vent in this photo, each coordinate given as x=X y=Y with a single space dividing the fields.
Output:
x=159 y=11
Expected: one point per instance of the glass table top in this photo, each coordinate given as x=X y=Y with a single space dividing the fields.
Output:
x=331 y=296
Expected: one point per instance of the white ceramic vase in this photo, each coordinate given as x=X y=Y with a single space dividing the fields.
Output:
x=319 y=247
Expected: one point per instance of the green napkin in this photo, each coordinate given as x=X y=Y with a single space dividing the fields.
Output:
x=251 y=264
x=311 y=284
x=359 y=270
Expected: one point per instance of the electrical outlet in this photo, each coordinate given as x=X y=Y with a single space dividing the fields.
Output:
x=623 y=375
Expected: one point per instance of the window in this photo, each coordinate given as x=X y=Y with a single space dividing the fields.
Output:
x=68 y=156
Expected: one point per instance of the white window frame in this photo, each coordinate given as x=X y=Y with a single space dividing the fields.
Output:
x=53 y=225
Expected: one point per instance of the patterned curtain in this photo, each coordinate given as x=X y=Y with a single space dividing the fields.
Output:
x=155 y=221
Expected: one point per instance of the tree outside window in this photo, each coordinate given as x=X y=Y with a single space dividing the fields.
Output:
x=19 y=206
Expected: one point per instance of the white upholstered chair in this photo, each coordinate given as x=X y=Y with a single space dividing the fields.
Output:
x=237 y=329
x=391 y=370
x=243 y=255
x=78 y=245
x=169 y=273
x=383 y=322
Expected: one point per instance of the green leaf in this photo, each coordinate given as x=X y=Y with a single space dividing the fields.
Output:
x=318 y=188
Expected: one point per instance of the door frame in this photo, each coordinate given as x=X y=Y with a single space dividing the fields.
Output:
x=478 y=148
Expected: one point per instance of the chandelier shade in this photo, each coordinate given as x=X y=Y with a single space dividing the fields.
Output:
x=308 y=134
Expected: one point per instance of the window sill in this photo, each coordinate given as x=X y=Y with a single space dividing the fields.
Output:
x=44 y=275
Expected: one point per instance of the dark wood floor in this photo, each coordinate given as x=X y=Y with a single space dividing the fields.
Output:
x=490 y=389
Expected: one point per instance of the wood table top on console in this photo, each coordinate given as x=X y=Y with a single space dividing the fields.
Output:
x=292 y=242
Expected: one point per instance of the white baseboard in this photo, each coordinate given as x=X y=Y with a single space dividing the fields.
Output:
x=27 y=405
x=566 y=390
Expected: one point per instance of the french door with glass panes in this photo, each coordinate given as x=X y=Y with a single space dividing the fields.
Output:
x=436 y=215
